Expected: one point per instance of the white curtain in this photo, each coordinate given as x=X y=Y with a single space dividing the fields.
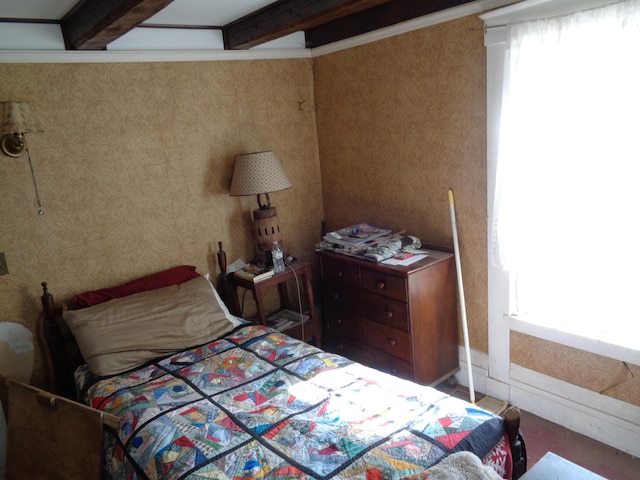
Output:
x=567 y=214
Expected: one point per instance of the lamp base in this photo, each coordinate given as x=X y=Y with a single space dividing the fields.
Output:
x=266 y=228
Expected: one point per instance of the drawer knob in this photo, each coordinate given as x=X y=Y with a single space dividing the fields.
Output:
x=389 y=314
x=339 y=321
x=392 y=342
x=336 y=296
x=380 y=285
x=339 y=273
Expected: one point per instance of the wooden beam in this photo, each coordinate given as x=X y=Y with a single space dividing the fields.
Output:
x=96 y=23
x=288 y=16
x=378 y=17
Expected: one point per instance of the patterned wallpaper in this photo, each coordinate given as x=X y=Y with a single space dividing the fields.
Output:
x=607 y=376
x=135 y=163
x=134 y=168
x=400 y=121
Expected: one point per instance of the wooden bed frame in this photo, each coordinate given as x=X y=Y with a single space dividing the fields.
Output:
x=61 y=357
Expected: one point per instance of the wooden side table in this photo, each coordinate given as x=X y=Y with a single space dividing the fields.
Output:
x=301 y=271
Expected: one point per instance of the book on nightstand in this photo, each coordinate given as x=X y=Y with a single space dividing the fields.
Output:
x=285 y=319
x=253 y=274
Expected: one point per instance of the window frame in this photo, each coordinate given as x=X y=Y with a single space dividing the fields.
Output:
x=500 y=291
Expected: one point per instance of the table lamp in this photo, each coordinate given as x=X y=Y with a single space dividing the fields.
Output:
x=260 y=173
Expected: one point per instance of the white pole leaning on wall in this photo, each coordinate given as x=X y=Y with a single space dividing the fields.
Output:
x=463 y=308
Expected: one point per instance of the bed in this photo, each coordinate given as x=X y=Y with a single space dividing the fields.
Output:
x=201 y=394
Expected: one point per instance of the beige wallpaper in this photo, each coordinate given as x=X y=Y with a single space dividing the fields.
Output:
x=135 y=163
x=600 y=374
x=400 y=121
x=134 y=168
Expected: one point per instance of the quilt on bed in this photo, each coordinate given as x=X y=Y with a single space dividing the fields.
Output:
x=257 y=404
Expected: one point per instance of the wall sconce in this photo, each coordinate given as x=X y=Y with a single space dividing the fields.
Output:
x=15 y=121
x=259 y=174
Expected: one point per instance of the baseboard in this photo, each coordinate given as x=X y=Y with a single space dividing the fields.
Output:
x=605 y=419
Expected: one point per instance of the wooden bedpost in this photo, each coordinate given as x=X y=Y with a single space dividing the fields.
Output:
x=59 y=380
x=45 y=320
x=511 y=418
x=48 y=303
x=222 y=260
x=227 y=293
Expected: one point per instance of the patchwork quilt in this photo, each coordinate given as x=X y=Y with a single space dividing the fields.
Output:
x=258 y=404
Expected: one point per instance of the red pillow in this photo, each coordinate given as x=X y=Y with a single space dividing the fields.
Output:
x=173 y=276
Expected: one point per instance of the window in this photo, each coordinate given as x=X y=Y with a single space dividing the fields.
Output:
x=565 y=219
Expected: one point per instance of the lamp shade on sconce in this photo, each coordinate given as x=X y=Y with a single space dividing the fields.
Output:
x=15 y=117
x=16 y=120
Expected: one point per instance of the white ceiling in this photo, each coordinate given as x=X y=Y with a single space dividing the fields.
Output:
x=35 y=9
x=208 y=13
x=40 y=38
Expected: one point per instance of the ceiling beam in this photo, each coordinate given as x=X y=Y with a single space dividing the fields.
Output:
x=288 y=16
x=378 y=17
x=93 y=24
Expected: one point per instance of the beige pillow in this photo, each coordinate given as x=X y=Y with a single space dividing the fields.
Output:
x=124 y=333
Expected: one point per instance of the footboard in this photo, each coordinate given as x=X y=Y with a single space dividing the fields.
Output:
x=516 y=441
x=64 y=436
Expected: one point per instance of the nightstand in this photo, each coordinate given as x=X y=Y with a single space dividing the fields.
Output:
x=301 y=271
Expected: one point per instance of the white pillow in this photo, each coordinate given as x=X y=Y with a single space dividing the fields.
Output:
x=231 y=317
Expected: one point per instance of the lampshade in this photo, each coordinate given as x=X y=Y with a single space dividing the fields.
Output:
x=15 y=117
x=256 y=173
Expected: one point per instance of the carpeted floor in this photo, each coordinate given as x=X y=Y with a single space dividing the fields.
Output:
x=542 y=436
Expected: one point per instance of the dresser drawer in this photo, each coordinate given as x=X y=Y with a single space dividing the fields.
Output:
x=382 y=310
x=353 y=303
x=393 y=341
x=340 y=273
x=383 y=284
x=335 y=317
x=338 y=306
x=390 y=340
x=361 y=353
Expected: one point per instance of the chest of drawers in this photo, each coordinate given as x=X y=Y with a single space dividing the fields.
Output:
x=398 y=319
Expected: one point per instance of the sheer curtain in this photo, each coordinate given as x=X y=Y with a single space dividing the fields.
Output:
x=566 y=222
